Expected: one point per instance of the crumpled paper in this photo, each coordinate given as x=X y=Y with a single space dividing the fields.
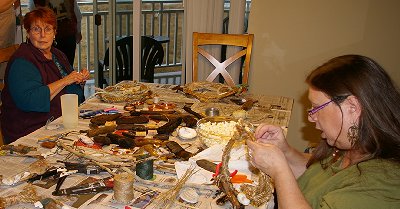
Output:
x=238 y=161
x=14 y=179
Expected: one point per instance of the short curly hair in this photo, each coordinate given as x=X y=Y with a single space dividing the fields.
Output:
x=42 y=14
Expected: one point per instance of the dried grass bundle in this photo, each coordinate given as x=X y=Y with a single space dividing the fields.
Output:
x=167 y=199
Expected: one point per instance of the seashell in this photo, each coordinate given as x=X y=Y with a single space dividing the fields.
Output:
x=186 y=133
x=189 y=195
x=85 y=139
x=14 y=179
x=38 y=204
x=52 y=126
x=243 y=199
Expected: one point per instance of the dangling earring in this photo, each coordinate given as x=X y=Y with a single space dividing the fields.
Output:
x=54 y=41
x=352 y=134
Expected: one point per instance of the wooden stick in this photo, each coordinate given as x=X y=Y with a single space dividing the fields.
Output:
x=96 y=159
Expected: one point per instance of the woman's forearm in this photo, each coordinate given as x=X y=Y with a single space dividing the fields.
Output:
x=56 y=87
x=73 y=77
x=297 y=161
x=288 y=192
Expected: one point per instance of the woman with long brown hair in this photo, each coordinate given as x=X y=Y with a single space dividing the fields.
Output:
x=355 y=105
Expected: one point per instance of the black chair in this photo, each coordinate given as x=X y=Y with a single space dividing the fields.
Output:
x=152 y=54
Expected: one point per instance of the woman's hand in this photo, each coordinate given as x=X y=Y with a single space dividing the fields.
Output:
x=77 y=77
x=268 y=158
x=86 y=74
x=271 y=134
x=73 y=77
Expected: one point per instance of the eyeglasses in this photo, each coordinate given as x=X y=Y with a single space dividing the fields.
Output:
x=314 y=110
x=37 y=30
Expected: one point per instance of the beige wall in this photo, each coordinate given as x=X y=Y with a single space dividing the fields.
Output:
x=294 y=37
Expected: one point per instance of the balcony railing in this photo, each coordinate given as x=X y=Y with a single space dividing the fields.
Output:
x=159 y=18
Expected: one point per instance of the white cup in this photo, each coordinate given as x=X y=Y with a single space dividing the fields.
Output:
x=69 y=108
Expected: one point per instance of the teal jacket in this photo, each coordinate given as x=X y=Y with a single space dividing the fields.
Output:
x=26 y=104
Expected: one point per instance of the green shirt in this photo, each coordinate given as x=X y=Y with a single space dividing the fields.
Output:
x=376 y=187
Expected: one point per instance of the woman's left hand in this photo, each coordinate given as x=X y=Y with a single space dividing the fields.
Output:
x=267 y=157
x=85 y=73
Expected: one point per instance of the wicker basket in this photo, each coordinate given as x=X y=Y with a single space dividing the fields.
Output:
x=126 y=91
x=207 y=91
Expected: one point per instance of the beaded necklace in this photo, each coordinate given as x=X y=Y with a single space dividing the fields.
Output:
x=59 y=66
x=335 y=155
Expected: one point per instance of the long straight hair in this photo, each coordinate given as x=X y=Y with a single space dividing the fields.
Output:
x=379 y=98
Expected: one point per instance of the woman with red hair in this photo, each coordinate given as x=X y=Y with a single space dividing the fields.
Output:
x=35 y=78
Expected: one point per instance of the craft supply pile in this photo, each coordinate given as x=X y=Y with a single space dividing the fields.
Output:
x=146 y=146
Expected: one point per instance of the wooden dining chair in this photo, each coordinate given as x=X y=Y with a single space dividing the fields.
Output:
x=245 y=41
x=5 y=55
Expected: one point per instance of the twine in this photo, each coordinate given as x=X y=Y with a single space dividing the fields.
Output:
x=145 y=169
x=123 y=188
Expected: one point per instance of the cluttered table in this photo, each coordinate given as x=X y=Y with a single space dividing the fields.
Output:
x=139 y=145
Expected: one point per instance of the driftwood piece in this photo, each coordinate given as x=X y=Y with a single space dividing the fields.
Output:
x=132 y=120
x=101 y=130
x=114 y=138
x=189 y=110
x=126 y=143
x=130 y=142
x=103 y=140
x=223 y=179
x=152 y=112
x=129 y=134
x=19 y=148
x=159 y=117
x=132 y=127
x=248 y=104
x=141 y=141
x=190 y=121
x=178 y=151
x=102 y=119
x=170 y=126
x=98 y=161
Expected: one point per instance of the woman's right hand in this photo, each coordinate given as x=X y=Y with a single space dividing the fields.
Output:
x=274 y=137
x=271 y=134
x=74 y=77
